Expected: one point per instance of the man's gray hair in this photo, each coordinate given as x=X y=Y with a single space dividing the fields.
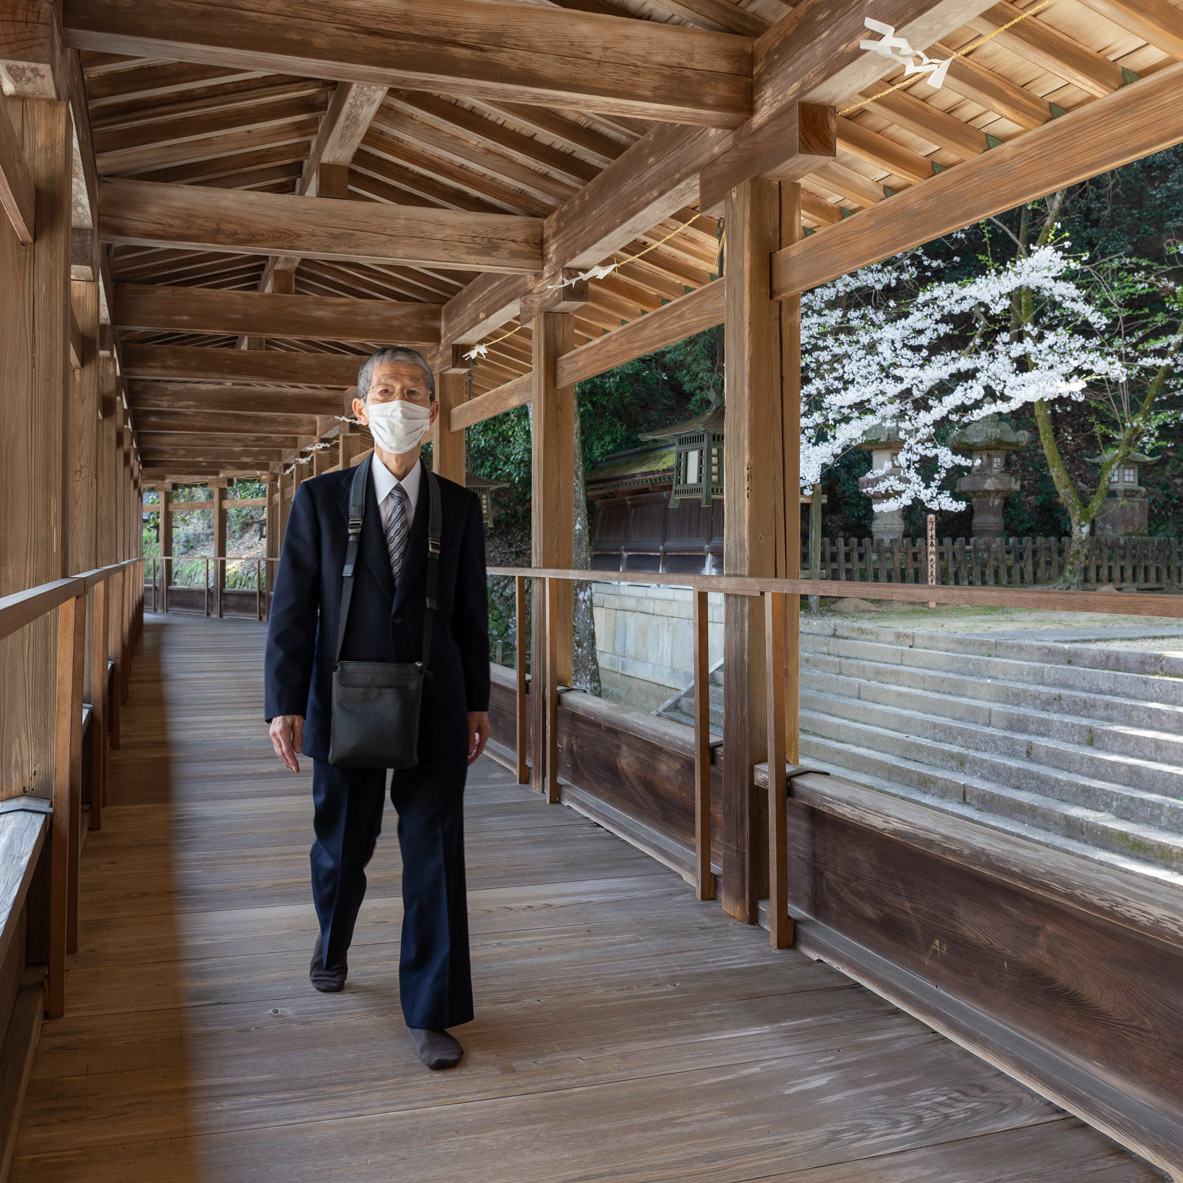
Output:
x=389 y=353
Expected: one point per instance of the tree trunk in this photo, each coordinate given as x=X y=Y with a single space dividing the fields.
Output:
x=1072 y=577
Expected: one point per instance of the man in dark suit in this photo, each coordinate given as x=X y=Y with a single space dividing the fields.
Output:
x=385 y=623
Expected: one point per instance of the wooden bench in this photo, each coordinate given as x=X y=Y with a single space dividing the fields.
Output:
x=24 y=890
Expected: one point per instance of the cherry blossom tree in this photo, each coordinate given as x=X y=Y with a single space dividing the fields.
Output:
x=893 y=343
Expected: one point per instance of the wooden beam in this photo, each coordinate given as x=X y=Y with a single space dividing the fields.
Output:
x=1050 y=49
x=157 y=440
x=320 y=318
x=806 y=137
x=1139 y=119
x=701 y=309
x=266 y=401
x=272 y=367
x=1157 y=21
x=17 y=194
x=147 y=213
x=813 y=55
x=564 y=292
x=505 y=397
x=225 y=421
x=505 y=51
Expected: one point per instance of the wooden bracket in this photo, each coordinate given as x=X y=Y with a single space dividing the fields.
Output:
x=549 y=296
x=786 y=148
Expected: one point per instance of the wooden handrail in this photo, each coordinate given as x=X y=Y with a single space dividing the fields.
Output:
x=1046 y=599
x=22 y=608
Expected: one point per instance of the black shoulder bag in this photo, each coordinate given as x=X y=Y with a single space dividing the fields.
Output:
x=375 y=721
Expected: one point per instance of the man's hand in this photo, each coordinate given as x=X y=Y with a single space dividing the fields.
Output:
x=287 y=738
x=478 y=733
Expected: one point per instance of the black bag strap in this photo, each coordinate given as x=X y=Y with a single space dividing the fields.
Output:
x=357 y=509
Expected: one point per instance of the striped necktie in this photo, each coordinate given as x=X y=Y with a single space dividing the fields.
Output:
x=398 y=529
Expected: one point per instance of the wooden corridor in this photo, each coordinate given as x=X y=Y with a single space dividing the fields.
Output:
x=624 y=1031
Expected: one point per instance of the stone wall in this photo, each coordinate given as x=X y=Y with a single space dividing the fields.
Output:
x=645 y=640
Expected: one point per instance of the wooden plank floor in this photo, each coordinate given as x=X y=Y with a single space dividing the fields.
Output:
x=624 y=1031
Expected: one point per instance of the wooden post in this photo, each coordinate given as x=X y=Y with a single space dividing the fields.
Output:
x=553 y=588
x=84 y=430
x=519 y=665
x=704 y=877
x=127 y=598
x=789 y=561
x=67 y=796
x=754 y=526
x=552 y=521
x=219 y=491
x=116 y=658
x=780 y=926
x=166 y=541
x=449 y=454
x=99 y=634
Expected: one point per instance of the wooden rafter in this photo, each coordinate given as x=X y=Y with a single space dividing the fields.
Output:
x=188 y=309
x=151 y=214
x=511 y=51
x=1140 y=119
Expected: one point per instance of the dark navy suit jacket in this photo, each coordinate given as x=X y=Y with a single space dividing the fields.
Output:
x=385 y=622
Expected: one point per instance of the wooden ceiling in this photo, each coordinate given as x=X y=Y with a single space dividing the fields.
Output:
x=334 y=201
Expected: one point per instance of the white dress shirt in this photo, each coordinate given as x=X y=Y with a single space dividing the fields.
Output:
x=385 y=480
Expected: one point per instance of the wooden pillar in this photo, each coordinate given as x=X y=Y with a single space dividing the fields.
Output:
x=166 y=541
x=449 y=455
x=67 y=797
x=552 y=528
x=34 y=402
x=99 y=633
x=790 y=336
x=84 y=430
x=218 y=488
x=754 y=495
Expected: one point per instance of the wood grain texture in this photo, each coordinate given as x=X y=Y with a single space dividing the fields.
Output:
x=502 y=51
x=611 y=1006
x=1074 y=987
x=1138 y=120
x=148 y=213
x=17 y=193
x=267 y=366
x=321 y=318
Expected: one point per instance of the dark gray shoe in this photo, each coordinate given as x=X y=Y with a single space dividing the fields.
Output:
x=436 y=1048
x=327 y=979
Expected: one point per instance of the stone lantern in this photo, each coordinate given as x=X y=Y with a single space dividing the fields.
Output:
x=698 y=457
x=1125 y=511
x=883 y=441
x=987 y=484
x=484 y=487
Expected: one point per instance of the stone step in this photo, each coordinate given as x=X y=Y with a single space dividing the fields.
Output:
x=1005 y=771
x=1085 y=704
x=1141 y=688
x=1079 y=653
x=1119 y=739
x=1090 y=833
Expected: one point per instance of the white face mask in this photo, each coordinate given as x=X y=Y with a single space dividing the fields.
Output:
x=397 y=426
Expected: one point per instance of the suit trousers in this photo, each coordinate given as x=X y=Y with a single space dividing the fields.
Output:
x=434 y=970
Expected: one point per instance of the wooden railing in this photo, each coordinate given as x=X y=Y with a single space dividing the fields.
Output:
x=162 y=595
x=113 y=597
x=1058 y=969
x=781 y=661
x=1002 y=562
